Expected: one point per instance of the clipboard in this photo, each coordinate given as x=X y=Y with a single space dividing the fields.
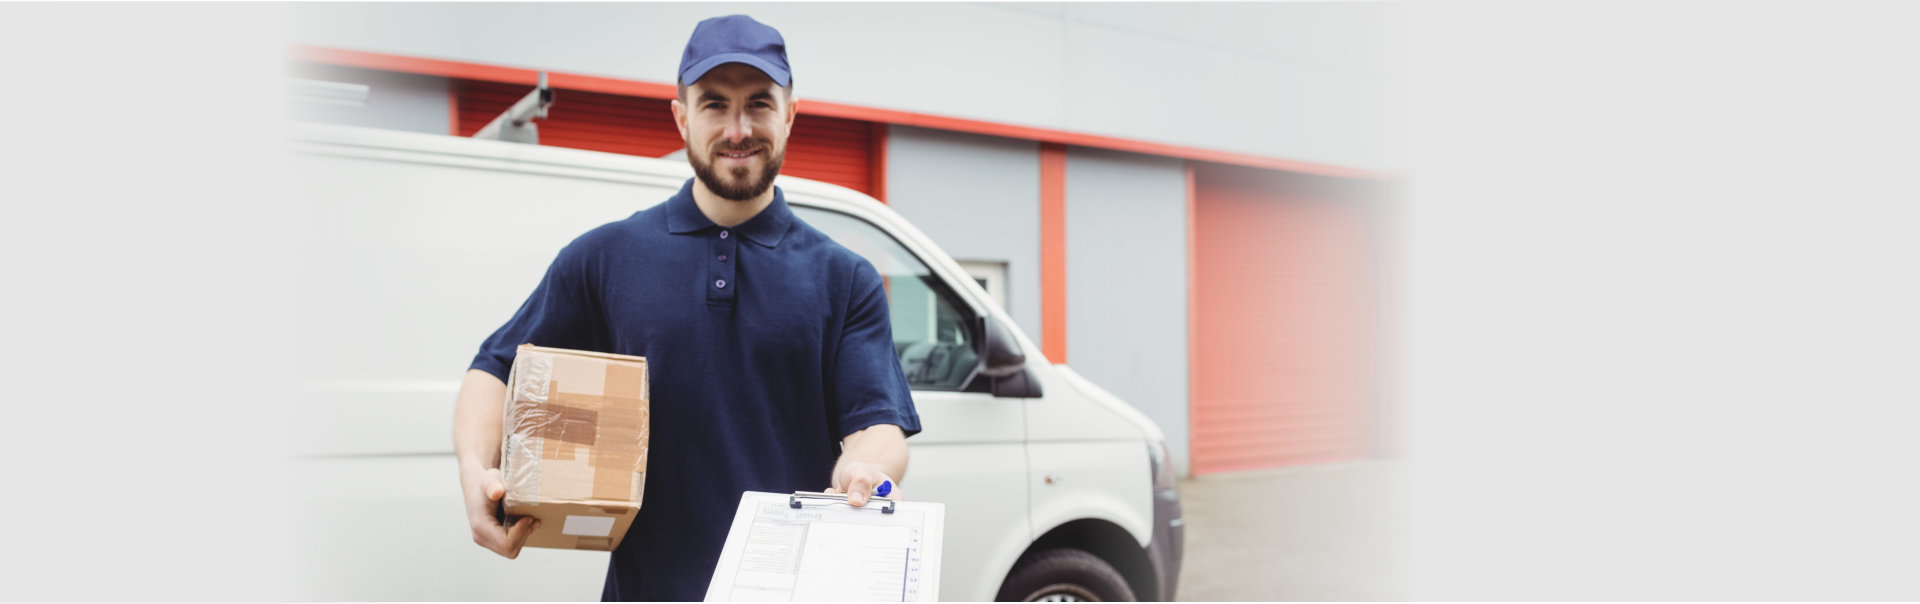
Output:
x=806 y=546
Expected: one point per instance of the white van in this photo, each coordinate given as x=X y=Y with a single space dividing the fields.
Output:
x=421 y=245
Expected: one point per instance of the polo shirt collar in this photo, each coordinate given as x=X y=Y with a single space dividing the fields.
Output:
x=766 y=229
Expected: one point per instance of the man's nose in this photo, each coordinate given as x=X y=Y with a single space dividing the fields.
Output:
x=738 y=129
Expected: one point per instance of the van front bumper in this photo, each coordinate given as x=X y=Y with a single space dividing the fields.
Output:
x=1166 y=548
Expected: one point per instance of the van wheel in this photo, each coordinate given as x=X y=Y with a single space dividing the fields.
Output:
x=1064 y=575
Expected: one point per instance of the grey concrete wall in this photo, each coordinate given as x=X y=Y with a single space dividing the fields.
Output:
x=395 y=101
x=1127 y=282
x=1318 y=82
x=978 y=197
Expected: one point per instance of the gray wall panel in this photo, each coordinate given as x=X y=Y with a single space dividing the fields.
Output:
x=1127 y=282
x=395 y=101
x=1317 y=82
x=979 y=198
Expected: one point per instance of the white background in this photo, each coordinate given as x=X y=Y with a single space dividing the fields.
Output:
x=1656 y=293
x=1658 y=301
x=147 y=271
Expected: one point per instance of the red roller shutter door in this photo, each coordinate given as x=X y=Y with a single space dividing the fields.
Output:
x=578 y=120
x=832 y=150
x=821 y=148
x=1281 y=305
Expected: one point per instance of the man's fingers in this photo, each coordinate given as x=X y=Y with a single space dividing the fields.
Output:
x=505 y=540
x=857 y=490
x=494 y=488
x=483 y=503
x=488 y=534
x=517 y=535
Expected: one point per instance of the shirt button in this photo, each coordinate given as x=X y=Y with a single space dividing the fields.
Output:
x=723 y=234
x=723 y=257
x=720 y=283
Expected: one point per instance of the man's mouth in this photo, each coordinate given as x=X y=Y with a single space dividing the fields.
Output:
x=739 y=155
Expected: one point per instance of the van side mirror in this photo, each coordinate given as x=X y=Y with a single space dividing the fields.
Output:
x=1003 y=366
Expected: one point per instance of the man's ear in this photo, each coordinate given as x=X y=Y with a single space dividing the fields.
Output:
x=793 y=109
x=680 y=118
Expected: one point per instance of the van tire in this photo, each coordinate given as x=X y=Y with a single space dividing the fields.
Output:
x=1064 y=575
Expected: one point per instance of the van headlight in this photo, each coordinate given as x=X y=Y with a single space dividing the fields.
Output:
x=1161 y=466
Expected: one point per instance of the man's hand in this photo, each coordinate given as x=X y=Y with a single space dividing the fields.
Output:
x=859 y=478
x=483 y=490
x=869 y=457
x=476 y=443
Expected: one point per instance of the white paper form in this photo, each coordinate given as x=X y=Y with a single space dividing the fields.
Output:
x=829 y=551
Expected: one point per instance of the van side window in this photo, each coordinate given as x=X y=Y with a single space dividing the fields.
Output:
x=931 y=330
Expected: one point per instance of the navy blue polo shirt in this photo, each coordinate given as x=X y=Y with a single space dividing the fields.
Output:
x=767 y=343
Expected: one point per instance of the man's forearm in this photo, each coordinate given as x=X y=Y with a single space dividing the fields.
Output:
x=883 y=447
x=476 y=421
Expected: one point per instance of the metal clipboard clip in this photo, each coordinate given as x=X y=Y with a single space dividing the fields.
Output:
x=793 y=501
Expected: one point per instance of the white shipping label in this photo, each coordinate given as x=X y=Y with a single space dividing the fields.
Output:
x=588 y=526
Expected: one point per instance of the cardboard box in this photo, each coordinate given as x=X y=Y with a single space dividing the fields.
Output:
x=574 y=452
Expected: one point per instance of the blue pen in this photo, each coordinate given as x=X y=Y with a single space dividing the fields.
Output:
x=886 y=486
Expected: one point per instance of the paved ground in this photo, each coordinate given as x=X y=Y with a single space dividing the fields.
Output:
x=1327 y=532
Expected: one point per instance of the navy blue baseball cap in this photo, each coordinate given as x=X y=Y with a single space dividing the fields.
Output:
x=735 y=39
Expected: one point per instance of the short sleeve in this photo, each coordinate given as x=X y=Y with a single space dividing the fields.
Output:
x=870 y=388
x=562 y=312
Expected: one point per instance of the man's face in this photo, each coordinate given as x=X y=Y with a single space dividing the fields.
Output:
x=735 y=122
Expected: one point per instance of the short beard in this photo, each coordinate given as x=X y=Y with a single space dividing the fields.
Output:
x=745 y=191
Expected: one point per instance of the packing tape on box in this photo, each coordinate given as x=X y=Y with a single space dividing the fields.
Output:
x=527 y=383
x=615 y=470
x=541 y=413
x=553 y=421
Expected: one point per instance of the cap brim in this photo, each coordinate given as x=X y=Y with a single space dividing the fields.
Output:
x=694 y=73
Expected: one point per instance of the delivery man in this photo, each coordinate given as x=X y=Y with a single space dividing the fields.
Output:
x=771 y=352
